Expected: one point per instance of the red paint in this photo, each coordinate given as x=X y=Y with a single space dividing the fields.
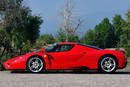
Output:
x=78 y=56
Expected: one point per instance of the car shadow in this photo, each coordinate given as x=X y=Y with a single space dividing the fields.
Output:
x=70 y=72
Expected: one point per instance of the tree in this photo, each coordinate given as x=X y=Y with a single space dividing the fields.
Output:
x=89 y=37
x=47 y=38
x=44 y=40
x=70 y=25
x=31 y=26
x=127 y=28
x=125 y=36
x=104 y=32
x=61 y=36
x=119 y=23
x=9 y=18
x=18 y=27
x=19 y=24
x=29 y=29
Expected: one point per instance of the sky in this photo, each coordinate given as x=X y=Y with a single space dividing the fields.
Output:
x=91 y=11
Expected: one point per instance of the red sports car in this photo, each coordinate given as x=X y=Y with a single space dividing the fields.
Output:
x=69 y=55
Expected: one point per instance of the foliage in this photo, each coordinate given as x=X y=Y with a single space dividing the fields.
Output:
x=19 y=29
x=125 y=36
x=105 y=37
x=102 y=36
x=119 y=23
x=89 y=37
x=124 y=43
x=61 y=36
x=43 y=40
x=27 y=33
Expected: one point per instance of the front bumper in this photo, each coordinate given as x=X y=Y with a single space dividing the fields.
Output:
x=15 y=63
x=8 y=65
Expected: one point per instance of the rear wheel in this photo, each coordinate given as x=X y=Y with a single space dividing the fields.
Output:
x=108 y=64
x=35 y=64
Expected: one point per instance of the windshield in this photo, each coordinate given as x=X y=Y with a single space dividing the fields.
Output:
x=51 y=48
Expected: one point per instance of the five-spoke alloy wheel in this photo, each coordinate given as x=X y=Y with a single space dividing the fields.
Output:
x=35 y=64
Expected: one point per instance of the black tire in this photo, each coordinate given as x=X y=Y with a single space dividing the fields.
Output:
x=35 y=64
x=107 y=64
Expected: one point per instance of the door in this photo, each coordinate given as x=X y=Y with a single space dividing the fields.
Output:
x=64 y=57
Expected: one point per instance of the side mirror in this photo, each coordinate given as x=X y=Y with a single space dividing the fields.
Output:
x=42 y=50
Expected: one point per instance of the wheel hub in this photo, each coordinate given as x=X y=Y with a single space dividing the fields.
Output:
x=107 y=64
x=36 y=65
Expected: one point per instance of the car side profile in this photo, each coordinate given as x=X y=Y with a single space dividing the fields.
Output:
x=69 y=56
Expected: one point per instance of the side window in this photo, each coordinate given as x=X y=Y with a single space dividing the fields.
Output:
x=63 y=48
x=51 y=48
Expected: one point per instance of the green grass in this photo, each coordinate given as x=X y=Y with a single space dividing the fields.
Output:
x=128 y=64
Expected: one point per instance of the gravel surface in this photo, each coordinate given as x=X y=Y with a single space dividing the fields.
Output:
x=65 y=79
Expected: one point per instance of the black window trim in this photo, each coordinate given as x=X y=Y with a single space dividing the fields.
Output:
x=90 y=46
x=73 y=45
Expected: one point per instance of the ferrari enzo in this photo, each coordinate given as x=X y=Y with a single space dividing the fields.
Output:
x=69 y=56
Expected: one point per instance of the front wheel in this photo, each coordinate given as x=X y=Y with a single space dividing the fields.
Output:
x=35 y=64
x=107 y=64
